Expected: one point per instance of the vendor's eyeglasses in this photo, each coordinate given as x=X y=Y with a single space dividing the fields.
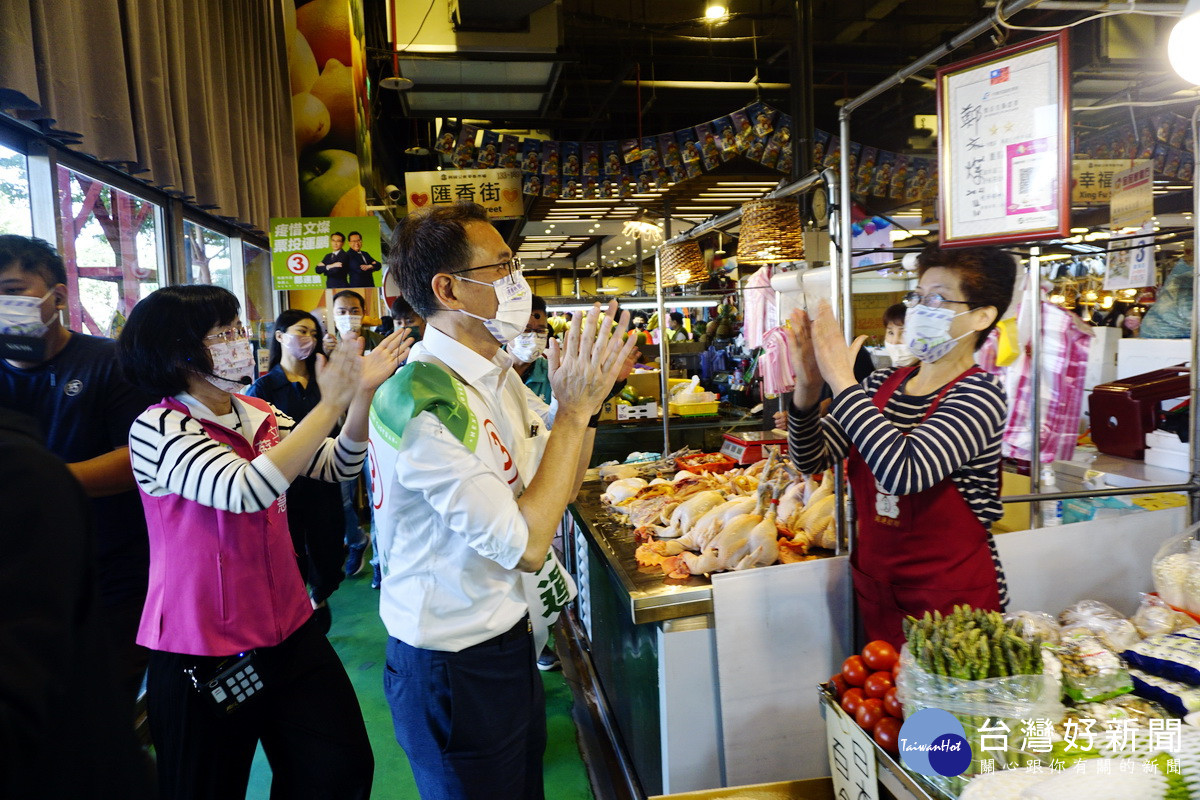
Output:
x=227 y=336
x=914 y=299
x=511 y=266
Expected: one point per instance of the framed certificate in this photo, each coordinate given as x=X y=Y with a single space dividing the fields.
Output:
x=1004 y=147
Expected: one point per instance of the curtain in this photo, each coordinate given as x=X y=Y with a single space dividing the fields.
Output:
x=191 y=96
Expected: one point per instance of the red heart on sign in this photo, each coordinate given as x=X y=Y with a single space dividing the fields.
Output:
x=510 y=195
x=419 y=199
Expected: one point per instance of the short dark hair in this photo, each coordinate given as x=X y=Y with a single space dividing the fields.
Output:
x=894 y=314
x=401 y=309
x=538 y=304
x=362 y=301
x=677 y=316
x=32 y=255
x=353 y=233
x=162 y=342
x=286 y=320
x=987 y=276
x=337 y=233
x=428 y=242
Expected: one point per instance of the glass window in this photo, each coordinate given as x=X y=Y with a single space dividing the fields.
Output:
x=260 y=299
x=112 y=251
x=16 y=215
x=207 y=254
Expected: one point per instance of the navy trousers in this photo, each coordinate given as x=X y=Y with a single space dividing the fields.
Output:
x=472 y=723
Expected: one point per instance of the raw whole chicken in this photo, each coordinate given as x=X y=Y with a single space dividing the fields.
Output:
x=621 y=490
x=745 y=541
x=688 y=512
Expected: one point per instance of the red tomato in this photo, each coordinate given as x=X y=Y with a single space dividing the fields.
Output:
x=869 y=712
x=851 y=698
x=887 y=734
x=896 y=669
x=839 y=685
x=854 y=671
x=877 y=684
x=891 y=704
x=879 y=656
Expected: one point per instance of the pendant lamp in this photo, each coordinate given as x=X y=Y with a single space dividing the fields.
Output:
x=771 y=232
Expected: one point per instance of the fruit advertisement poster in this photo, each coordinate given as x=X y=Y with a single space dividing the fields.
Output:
x=323 y=252
x=497 y=190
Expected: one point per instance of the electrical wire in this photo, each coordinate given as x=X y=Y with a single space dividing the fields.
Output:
x=419 y=28
x=1052 y=28
x=1140 y=103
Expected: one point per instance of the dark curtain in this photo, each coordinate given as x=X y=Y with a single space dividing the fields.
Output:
x=191 y=96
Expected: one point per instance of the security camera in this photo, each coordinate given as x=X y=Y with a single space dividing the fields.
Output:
x=393 y=192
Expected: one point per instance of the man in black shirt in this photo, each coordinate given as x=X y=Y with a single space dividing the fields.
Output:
x=335 y=266
x=84 y=406
x=362 y=265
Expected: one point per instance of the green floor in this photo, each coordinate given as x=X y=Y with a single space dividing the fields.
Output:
x=359 y=636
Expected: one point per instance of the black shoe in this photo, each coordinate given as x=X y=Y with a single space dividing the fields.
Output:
x=376 y=576
x=323 y=617
x=355 y=559
x=548 y=661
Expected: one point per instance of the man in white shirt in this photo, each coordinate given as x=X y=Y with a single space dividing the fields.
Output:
x=469 y=488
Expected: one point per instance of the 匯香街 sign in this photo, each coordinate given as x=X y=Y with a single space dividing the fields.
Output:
x=497 y=190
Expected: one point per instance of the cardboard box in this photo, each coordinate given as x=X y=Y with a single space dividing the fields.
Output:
x=646 y=383
x=812 y=789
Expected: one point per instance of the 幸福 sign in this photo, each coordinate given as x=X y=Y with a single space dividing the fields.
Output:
x=1003 y=160
x=497 y=190
x=1092 y=179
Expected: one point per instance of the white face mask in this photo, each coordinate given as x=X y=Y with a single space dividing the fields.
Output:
x=514 y=300
x=232 y=365
x=927 y=332
x=527 y=347
x=298 y=347
x=348 y=323
x=899 y=353
x=22 y=316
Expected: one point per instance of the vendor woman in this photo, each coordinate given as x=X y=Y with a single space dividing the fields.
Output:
x=922 y=442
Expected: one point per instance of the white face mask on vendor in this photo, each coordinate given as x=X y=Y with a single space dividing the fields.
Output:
x=527 y=347
x=514 y=301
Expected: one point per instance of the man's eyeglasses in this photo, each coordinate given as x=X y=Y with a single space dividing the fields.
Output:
x=914 y=299
x=227 y=336
x=511 y=266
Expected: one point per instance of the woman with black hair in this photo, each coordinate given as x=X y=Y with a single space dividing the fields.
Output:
x=213 y=468
x=922 y=442
x=314 y=508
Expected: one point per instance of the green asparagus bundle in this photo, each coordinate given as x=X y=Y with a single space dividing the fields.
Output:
x=971 y=644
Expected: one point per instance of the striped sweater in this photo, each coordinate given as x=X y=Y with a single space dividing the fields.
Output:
x=961 y=439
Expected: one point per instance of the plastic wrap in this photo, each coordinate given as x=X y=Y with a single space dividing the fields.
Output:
x=1154 y=617
x=1170 y=656
x=1176 y=571
x=1035 y=625
x=1107 y=624
x=1090 y=670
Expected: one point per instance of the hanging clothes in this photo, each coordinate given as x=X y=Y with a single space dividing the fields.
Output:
x=775 y=363
x=756 y=306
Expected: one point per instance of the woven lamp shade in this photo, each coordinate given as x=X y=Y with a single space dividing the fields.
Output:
x=771 y=232
x=682 y=263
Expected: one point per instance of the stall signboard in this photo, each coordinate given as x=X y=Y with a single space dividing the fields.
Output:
x=1131 y=261
x=851 y=756
x=301 y=245
x=1092 y=179
x=1004 y=144
x=497 y=190
x=1132 y=201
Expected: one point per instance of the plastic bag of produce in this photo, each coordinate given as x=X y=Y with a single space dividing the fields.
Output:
x=1172 y=656
x=1107 y=624
x=1154 y=616
x=1178 y=698
x=1034 y=624
x=1176 y=570
x=1090 y=671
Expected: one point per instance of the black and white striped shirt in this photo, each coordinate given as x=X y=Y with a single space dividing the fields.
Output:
x=172 y=454
x=960 y=439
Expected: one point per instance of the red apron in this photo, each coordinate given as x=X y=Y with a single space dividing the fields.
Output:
x=918 y=552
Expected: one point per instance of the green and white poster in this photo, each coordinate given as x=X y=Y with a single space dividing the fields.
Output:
x=324 y=252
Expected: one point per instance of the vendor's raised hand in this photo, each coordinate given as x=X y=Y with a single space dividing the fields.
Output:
x=338 y=375
x=834 y=357
x=804 y=361
x=583 y=369
x=382 y=362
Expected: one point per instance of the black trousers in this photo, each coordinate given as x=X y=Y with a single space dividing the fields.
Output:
x=472 y=723
x=317 y=525
x=307 y=718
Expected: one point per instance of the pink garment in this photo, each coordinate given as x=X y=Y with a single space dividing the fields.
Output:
x=758 y=297
x=221 y=583
x=775 y=363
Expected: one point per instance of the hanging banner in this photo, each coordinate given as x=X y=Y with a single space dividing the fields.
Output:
x=1004 y=144
x=497 y=190
x=1132 y=200
x=324 y=252
x=1092 y=178
x=1131 y=261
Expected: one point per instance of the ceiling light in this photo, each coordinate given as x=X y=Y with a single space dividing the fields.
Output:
x=715 y=12
x=608 y=290
x=396 y=84
x=1181 y=45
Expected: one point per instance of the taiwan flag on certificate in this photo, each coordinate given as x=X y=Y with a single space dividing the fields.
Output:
x=999 y=75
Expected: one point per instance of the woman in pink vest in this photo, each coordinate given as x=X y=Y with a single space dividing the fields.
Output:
x=213 y=468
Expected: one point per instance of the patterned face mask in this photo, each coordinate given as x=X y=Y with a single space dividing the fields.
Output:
x=232 y=365
x=927 y=332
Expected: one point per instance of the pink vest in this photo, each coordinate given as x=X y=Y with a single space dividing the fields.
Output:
x=220 y=582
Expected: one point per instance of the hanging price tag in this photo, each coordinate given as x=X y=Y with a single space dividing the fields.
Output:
x=851 y=756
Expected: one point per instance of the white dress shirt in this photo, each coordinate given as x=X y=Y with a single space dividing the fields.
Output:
x=450 y=534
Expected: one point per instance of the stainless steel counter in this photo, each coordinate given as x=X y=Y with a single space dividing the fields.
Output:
x=652 y=597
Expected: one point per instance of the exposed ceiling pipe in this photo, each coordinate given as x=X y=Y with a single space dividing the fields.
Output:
x=738 y=85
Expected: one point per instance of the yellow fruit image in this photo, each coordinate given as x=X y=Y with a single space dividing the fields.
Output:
x=352 y=204
x=310 y=119
x=335 y=90
x=326 y=26
x=302 y=65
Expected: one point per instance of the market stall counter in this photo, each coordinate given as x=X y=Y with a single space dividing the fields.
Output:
x=616 y=439
x=695 y=671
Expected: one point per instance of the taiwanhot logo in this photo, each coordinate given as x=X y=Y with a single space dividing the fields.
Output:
x=932 y=742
